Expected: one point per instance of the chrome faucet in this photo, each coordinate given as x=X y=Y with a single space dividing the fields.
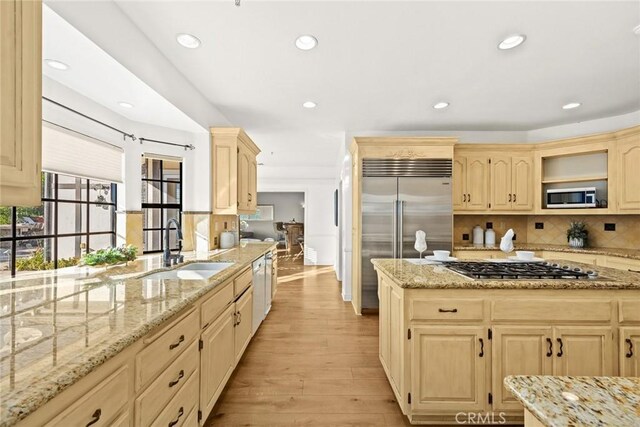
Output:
x=167 y=257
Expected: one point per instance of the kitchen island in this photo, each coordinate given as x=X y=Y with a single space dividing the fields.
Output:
x=447 y=341
x=577 y=401
x=86 y=344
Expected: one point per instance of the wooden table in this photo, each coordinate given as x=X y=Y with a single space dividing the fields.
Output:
x=293 y=230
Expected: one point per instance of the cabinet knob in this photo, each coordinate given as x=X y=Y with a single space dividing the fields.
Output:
x=550 y=350
x=95 y=417
x=447 y=310
x=560 y=353
x=177 y=343
x=177 y=380
x=180 y=413
x=630 y=352
x=509 y=197
x=481 y=348
x=468 y=197
x=514 y=197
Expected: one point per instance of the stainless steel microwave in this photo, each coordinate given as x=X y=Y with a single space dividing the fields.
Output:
x=571 y=197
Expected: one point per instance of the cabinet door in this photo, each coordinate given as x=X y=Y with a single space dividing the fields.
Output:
x=396 y=338
x=244 y=322
x=583 y=351
x=225 y=175
x=518 y=351
x=501 y=194
x=477 y=182
x=459 y=182
x=217 y=358
x=522 y=183
x=448 y=369
x=253 y=183
x=243 y=179
x=628 y=173
x=630 y=352
x=20 y=102
x=384 y=321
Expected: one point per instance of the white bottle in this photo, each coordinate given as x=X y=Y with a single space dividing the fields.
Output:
x=489 y=237
x=478 y=235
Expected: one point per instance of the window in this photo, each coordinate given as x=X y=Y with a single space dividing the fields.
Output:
x=161 y=201
x=263 y=213
x=77 y=215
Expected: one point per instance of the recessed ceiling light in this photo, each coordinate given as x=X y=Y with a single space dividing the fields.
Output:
x=188 y=40
x=309 y=104
x=125 y=104
x=306 y=42
x=571 y=106
x=637 y=30
x=56 y=65
x=512 y=41
x=441 y=105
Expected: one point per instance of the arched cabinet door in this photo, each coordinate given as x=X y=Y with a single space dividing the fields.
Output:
x=628 y=173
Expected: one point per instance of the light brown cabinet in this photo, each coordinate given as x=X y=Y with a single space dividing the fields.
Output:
x=628 y=172
x=234 y=172
x=511 y=183
x=20 y=102
x=630 y=352
x=470 y=182
x=448 y=368
x=243 y=323
x=583 y=351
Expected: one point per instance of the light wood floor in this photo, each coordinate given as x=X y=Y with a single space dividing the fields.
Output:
x=312 y=362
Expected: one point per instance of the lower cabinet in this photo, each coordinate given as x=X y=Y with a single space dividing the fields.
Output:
x=244 y=323
x=630 y=352
x=583 y=351
x=448 y=368
x=217 y=358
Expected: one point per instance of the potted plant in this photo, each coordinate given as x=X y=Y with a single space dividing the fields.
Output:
x=577 y=234
x=110 y=256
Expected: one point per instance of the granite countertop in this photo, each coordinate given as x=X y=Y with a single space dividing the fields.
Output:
x=623 y=253
x=408 y=275
x=57 y=327
x=602 y=401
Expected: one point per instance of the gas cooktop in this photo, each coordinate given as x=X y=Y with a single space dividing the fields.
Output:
x=519 y=270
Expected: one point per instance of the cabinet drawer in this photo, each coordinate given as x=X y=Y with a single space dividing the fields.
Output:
x=102 y=403
x=164 y=349
x=629 y=311
x=447 y=309
x=176 y=412
x=215 y=305
x=242 y=282
x=549 y=310
x=622 y=263
x=167 y=385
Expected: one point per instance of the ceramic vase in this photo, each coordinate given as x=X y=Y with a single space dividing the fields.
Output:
x=576 y=242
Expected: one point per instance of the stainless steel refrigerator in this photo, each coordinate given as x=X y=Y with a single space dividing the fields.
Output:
x=400 y=197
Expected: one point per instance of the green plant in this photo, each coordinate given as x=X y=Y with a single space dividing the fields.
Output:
x=117 y=255
x=36 y=262
x=577 y=230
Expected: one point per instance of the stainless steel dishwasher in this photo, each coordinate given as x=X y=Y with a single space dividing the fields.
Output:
x=259 y=292
x=267 y=289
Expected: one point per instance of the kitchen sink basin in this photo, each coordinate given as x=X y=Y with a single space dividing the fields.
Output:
x=195 y=271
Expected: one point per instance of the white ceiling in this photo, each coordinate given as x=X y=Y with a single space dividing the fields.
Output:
x=96 y=75
x=381 y=65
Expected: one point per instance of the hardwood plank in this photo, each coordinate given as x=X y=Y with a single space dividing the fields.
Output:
x=360 y=387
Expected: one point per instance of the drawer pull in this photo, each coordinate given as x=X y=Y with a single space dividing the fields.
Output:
x=550 y=351
x=447 y=310
x=239 y=318
x=95 y=417
x=634 y=271
x=560 y=353
x=481 y=348
x=180 y=413
x=174 y=345
x=509 y=197
x=630 y=352
x=177 y=380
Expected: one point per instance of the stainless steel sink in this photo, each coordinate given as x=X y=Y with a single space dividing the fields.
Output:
x=195 y=271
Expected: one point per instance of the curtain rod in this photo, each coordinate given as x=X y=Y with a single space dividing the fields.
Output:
x=124 y=134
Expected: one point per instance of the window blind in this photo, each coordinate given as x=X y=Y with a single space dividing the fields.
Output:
x=72 y=153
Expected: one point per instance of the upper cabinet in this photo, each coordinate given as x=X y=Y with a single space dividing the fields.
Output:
x=511 y=183
x=234 y=172
x=628 y=172
x=20 y=102
x=470 y=182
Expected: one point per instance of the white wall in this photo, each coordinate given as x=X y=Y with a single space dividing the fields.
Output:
x=287 y=206
x=319 y=231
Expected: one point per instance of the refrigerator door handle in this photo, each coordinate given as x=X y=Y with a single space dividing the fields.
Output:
x=400 y=226
x=394 y=239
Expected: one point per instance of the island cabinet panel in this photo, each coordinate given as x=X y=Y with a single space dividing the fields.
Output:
x=448 y=369
x=583 y=351
x=518 y=350
x=396 y=338
x=629 y=311
x=447 y=309
x=630 y=352
x=384 y=325
x=217 y=358
x=244 y=323
x=551 y=310
x=100 y=406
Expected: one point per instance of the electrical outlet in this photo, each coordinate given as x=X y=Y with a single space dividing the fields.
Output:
x=225 y=225
x=215 y=241
x=465 y=236
x=489 y=225
x=539 y=225
x=514 y=236
x=609 y=226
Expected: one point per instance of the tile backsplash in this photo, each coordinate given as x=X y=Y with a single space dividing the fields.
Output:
x=554 y=228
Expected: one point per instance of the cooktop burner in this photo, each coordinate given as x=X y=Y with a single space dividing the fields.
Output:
x=519 y=270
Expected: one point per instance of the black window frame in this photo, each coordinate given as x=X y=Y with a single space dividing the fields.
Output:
x=55 y=200
x=162 y=206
